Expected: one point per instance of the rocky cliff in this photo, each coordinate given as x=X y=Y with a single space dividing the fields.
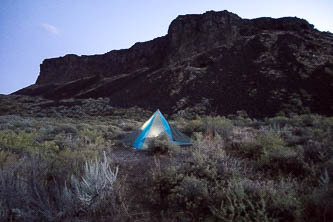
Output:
x=216 y=61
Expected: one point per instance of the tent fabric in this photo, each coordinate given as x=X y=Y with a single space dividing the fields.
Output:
x=153 y=127
x=145 y=130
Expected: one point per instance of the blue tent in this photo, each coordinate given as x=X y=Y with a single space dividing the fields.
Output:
x=153 y=127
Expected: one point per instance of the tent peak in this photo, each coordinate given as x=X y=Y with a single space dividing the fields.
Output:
x=153 y=127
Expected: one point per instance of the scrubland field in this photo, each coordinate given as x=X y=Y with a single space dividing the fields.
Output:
x=68 y=162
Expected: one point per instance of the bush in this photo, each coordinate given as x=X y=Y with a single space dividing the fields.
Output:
x=317 y=152
x=241 y=119
x=26 y=196
x=263 y=147
x=220 y=125
x=92 y=136
x=68 y=163
x=319 y=205
x=233 y=203
x=191 y=193
x=26 y=143
x=209 y=189
x=278 y=120
x=96 y=186
x=211 y=126
x=285 y=131
x=161 y=145
x=271 y=153
x=7 y=158
x=195 y=125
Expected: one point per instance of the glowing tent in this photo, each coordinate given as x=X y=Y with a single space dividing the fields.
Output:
x=153 y=127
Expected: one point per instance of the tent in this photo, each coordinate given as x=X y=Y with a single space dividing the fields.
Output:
x=152 y=128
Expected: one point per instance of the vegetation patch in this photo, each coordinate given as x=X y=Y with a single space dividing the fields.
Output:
x=238 y=169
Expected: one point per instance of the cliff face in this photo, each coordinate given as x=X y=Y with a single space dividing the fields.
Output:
x=73 y=67
x=216 y=60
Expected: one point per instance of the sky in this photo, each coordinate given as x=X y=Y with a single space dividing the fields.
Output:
x=33 y=30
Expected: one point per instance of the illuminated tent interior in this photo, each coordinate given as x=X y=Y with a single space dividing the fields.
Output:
x=152 y=128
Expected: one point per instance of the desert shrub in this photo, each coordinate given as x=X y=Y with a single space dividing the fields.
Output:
x=195 y=125
x=16 y=142
x=187 y=189
x=161 y=145
x=182 y=193
x=96 y=106
x=192 y=194
x=290 y=161
x=69 y=162
x=213 y=189
x=315 y=151
x=206 y=146
x=91 y=136
x=65 y=135
x=26 y=196
x=275 y=128
x=22 y=143
x=304 y=125
x=7 y=158
x=96 y=186
x=309 y=120
x=240 y=119
x=256 y=124
x=67 y=141
x=271 y=153
x=60 y=162
x=293 y=140
x=210 y=125
x=319 y=205
x=278 y=120
x=220 y=125
x=235 y=204
x=262 y=147
x=70 y=136
x=282 y=196
x=12 y=189
x=328 y=165
x=64 y=128
x=13 y=122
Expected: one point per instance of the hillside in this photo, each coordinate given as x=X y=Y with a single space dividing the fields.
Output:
x=214 y=62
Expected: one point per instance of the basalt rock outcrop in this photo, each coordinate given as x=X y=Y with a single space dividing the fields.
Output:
x=216 y=60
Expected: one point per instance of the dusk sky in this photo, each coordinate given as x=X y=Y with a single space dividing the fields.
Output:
x=33 y=30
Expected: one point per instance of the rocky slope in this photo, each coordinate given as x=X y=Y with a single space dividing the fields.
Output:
x=216 y=61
